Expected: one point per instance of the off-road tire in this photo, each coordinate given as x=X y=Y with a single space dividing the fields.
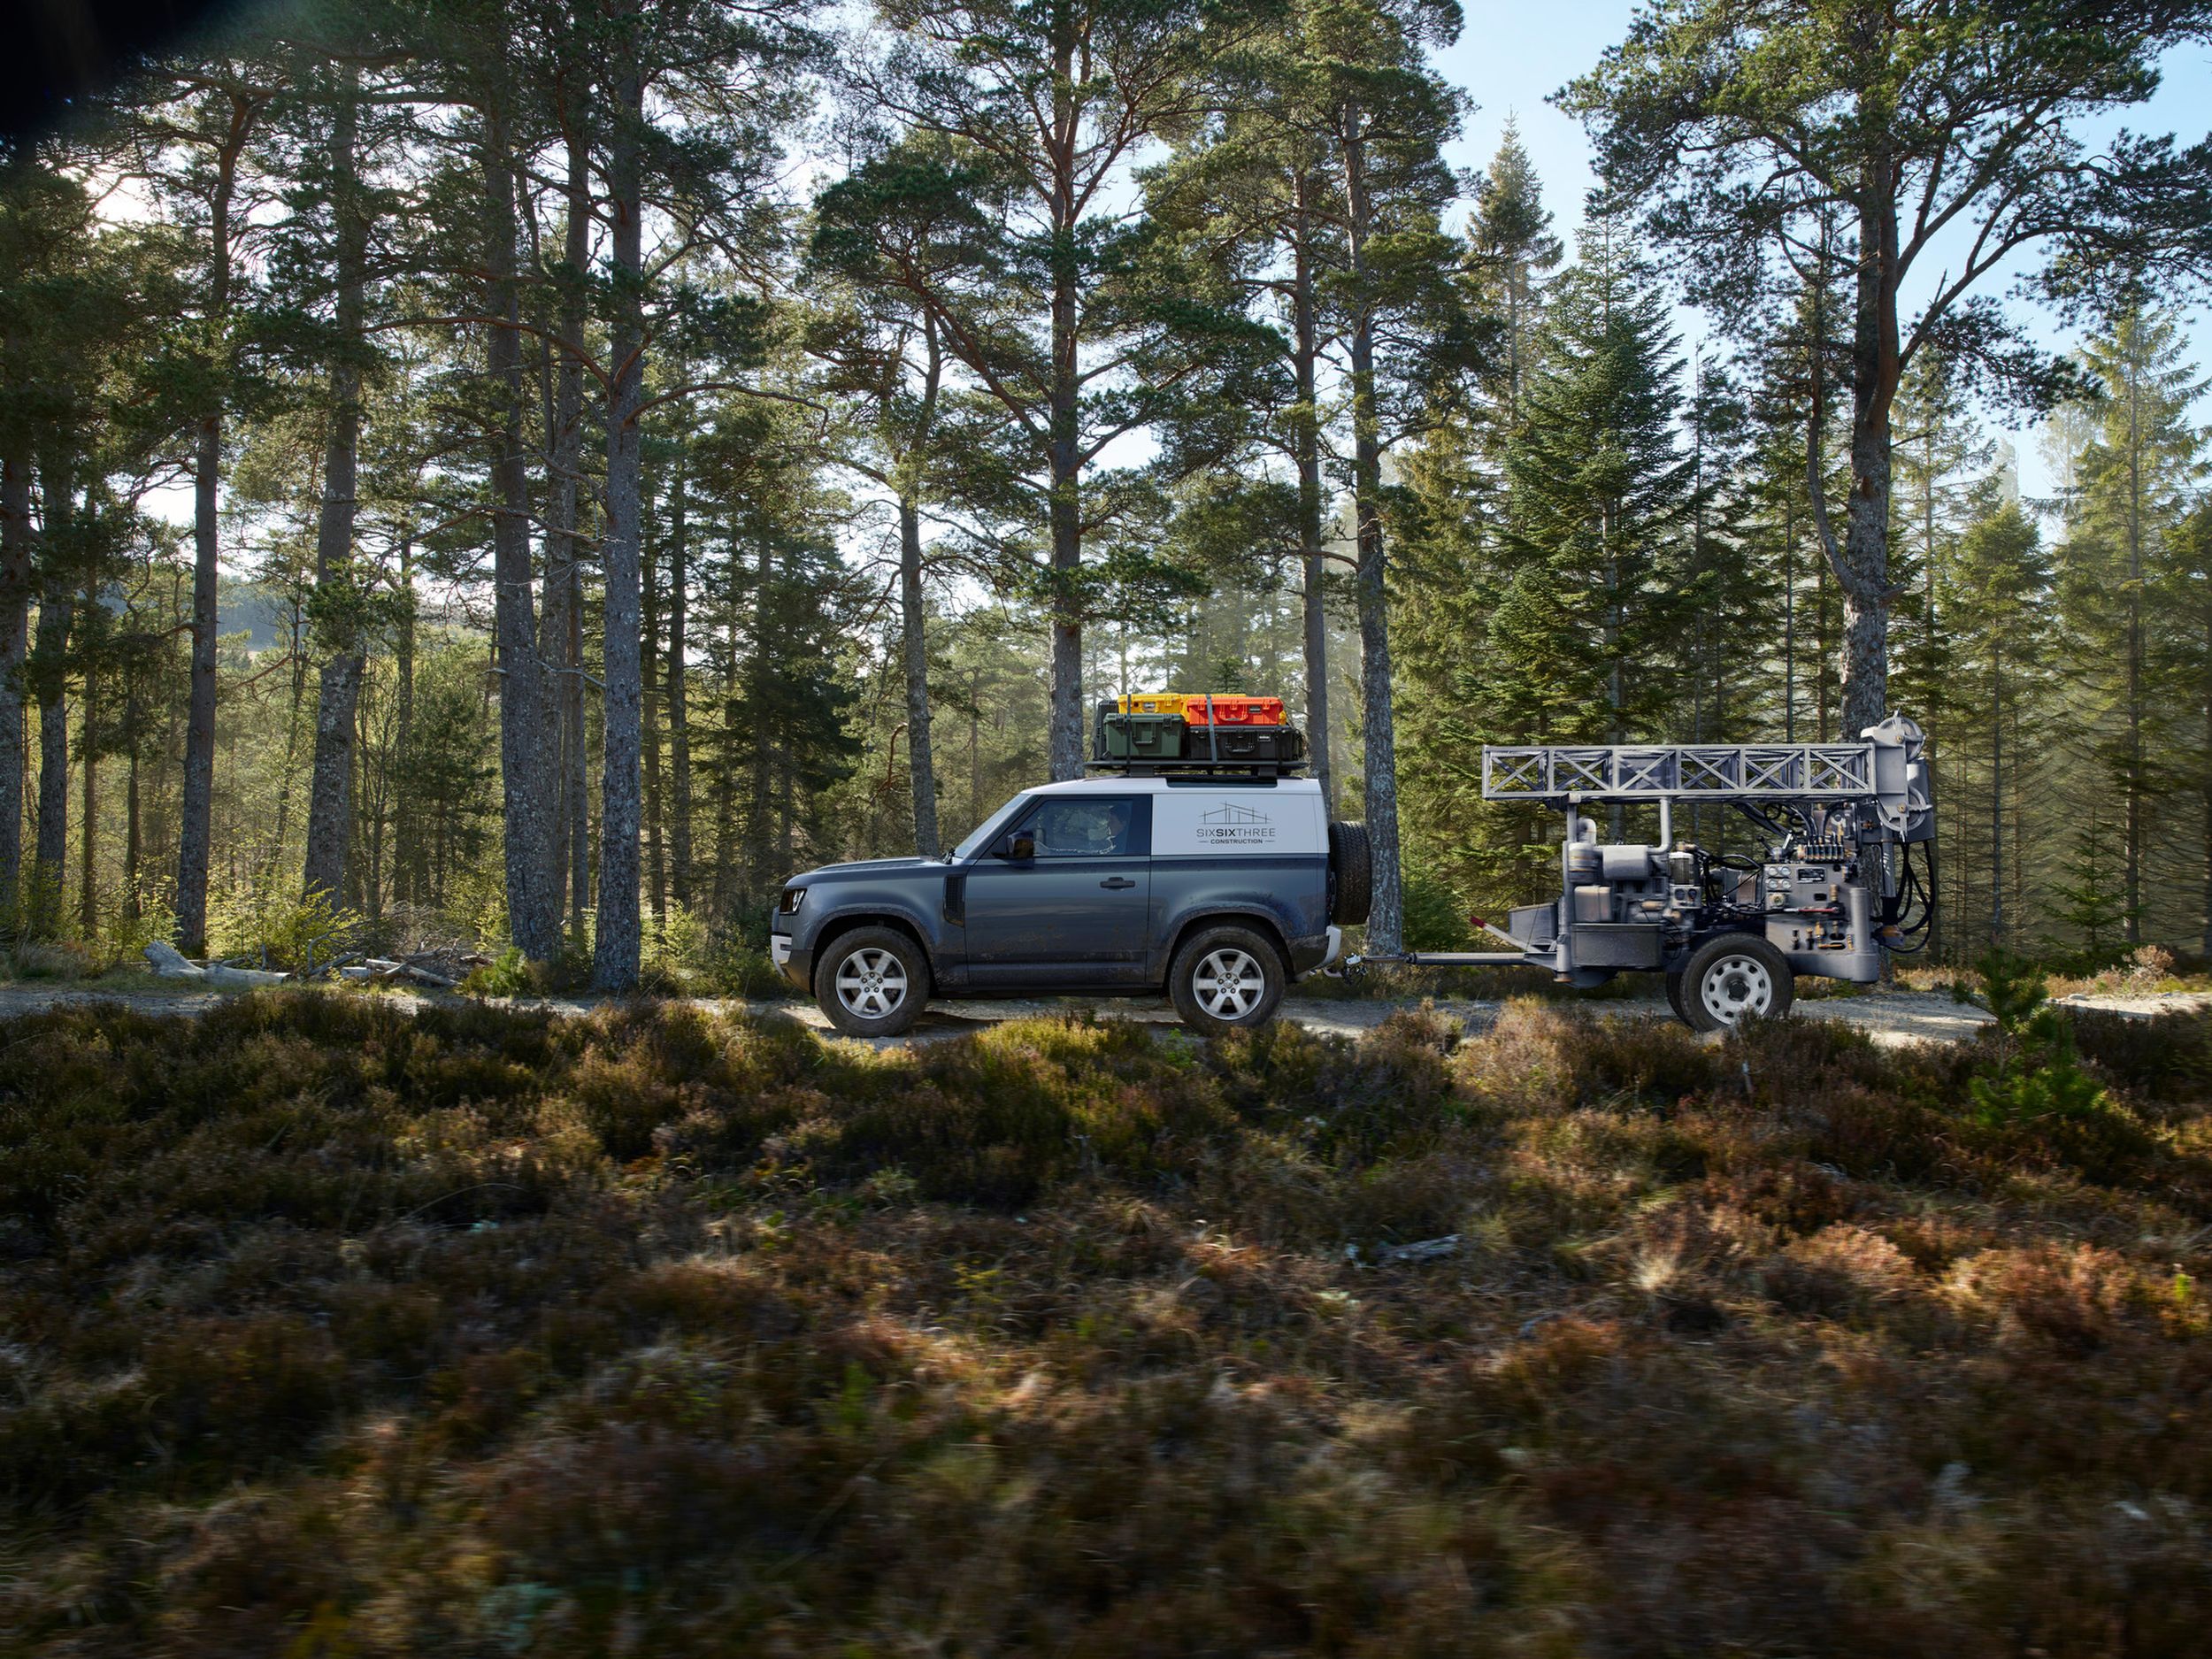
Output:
x=883 y=970
x=1675 y=998
x=1732 y=977
x=1351 y=875
x=1226 y=978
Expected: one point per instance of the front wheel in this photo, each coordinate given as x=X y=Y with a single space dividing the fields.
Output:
x=1224 y=979
x=872 y=982
x=1731 y=978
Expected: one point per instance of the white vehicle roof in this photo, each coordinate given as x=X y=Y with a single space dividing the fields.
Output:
x=1115 y=783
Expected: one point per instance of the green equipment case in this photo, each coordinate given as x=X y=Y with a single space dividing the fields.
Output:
x=1140 y=737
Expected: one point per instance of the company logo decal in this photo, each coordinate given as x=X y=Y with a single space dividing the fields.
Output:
x=1231 y=825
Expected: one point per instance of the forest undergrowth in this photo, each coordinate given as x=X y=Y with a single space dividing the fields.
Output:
x=331 y=1328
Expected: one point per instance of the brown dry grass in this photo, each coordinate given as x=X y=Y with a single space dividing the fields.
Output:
x=329 y=1330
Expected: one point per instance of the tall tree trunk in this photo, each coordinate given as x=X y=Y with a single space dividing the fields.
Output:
x=758 y=846
x=726 y=847
x=1067 y=728
x=2134 y=789
x=920 y=749
x=1862 y=573
x=655 y=835
x=196 y=810
x=678 y=715
x=526 y=752
x=15 y=605
x=88 y=802
x=2204 y=762
x=1305 y=441
x=1996 y=799
x=51 y=849
x=134 y=845
x=329 y=798
x=561 y=639
x=1379 y=769
x=406 y=885
x=616 y=947
x=915 y=660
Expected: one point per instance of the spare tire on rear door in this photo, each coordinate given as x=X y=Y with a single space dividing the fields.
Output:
x=1351 y=876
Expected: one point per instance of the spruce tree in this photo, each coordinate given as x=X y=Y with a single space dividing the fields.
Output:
x=2132 y=483
x=1594 y=596
x=2000 y=590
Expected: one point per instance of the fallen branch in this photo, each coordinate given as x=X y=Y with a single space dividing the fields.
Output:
x=168 y=963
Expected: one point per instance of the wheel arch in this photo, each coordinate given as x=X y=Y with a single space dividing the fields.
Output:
x=1259 y=920
x=836 y=926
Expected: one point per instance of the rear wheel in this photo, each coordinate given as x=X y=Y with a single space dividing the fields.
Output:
x=1731 y=978
x=872 y=982
x=1226 y=979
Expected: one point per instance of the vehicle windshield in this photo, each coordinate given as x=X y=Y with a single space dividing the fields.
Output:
x=981 y=835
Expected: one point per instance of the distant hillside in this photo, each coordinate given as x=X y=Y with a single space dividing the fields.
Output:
x=254 y=610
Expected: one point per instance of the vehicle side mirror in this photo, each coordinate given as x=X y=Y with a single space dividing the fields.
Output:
x=1025 y=846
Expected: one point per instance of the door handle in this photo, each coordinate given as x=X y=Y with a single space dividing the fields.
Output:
x=1118 y=881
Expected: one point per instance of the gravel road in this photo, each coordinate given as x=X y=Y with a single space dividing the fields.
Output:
x=1892 y=1016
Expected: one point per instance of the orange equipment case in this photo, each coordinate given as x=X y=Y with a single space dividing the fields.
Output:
x=1230 y=710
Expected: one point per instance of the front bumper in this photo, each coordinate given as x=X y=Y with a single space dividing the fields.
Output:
x=790 y=963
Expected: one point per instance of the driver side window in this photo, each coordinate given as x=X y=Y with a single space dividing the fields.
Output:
x=1090 y=828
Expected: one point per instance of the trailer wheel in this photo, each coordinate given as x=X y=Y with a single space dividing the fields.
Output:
x=1351 y=875
x=1731 y=978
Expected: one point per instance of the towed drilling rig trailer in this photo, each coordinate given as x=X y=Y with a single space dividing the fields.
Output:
x=1839 y=888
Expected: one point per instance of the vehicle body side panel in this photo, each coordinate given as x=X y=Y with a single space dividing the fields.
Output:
x=1055 y=922
x=1290 y=891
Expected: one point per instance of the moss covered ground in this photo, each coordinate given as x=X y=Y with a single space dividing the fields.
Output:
x=327 y=1328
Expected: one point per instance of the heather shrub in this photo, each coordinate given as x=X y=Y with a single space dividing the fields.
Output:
x=330 y=1329
x=2167 y=1058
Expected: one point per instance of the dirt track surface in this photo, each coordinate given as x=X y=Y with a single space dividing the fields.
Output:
x=1899 y=1017
x=1891 y=1017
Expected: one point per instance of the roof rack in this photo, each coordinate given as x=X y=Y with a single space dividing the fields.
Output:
x=1197 y=766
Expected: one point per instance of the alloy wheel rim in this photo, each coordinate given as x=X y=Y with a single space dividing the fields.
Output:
x=1736 y=987
x=1229 y=983
x=871 y=983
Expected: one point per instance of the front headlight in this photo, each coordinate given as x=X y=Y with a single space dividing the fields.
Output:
x=788 y=905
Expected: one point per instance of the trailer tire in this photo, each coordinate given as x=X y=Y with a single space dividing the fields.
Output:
x=1351 y=875
x=1731 y=978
